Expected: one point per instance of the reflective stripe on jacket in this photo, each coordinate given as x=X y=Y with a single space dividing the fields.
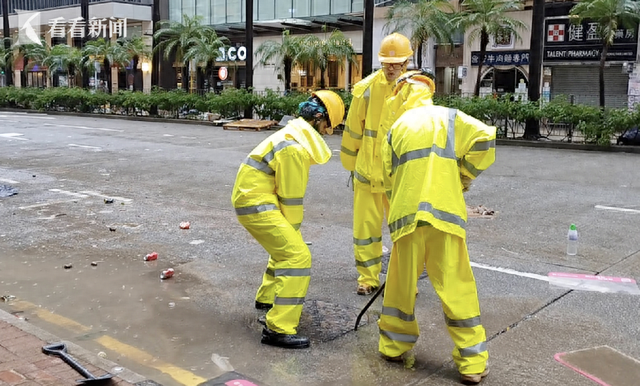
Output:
x=274 y=176
x=426 y=151
x=360 y=147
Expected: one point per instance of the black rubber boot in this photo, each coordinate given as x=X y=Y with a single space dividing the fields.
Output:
x=263 y=320
x=263 y=306
x=283 y=340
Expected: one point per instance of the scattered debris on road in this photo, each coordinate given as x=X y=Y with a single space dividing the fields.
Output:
x=7 y=298
x=151 y=256
x=108 y=200
x=167 y=274
x=112 y=229
x=7 y=191
x=68 y=266
x=480 y=211
x=185 y=225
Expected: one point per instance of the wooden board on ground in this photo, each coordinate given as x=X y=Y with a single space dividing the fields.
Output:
x=249 y=124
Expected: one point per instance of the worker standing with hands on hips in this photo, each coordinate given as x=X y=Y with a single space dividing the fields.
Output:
x=430 y=156
x=268 y=200
x=360 y=154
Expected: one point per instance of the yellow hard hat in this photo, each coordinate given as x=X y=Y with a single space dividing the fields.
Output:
x=334 y=105
x=423 y=77
x=395 y=48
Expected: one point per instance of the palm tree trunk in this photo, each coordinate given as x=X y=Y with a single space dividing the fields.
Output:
x=134 y=68
x=209 y=72
x=420 y=55
x=322 y=83
x=484 y=42
x=107 y=69
x=287 y=74
x=603 y=59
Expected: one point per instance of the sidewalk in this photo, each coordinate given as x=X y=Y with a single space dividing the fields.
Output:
x=23 y=363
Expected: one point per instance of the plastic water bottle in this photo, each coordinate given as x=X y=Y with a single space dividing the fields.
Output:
x=572 y=241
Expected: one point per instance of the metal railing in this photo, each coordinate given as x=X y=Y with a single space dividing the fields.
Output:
x=38 y=5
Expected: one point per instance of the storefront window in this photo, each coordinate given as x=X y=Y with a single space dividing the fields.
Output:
x=320 y=7
x=334 y=72
x=357 y=6
x=340 y=6
x=301 y=8
x=189 y=7
x=234 y=11
x=203 y=9
x=266 y=9
x=175 y=10
x=219 y=11
x=283 y=9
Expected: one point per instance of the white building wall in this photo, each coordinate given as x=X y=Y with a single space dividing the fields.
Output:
x=469 y=82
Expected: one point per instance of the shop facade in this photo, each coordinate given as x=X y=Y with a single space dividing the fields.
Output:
x=571 y=61
x=505 y=68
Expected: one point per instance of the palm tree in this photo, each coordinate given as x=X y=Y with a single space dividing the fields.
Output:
x=34 y=53
x=175 y=38
x=108 y=54
x=425 y=18
x=64 y=58
x=319 y=52
x=136 y=49
x=486 y=18
x=284 y=54
x=204 y=50
x=610 y=15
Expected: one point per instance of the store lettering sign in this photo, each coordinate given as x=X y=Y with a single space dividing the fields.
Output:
x=501 y=58
x=565 y=42
x=588 y=54
x=232 y=54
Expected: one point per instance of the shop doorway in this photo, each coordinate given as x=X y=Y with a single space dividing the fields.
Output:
x=503 y=82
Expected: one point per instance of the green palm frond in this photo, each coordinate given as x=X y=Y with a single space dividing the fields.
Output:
x=424 y=18
x=205 y=47
x=490 y=17
x=610 y=15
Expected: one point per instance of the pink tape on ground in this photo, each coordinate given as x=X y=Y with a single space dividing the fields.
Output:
x=558 y=357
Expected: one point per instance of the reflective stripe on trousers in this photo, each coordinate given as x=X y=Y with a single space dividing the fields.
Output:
x=450 y=273
x=286 y=280
x=368 y=215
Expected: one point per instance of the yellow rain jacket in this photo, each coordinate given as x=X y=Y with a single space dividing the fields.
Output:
x=447 y=143
x=360 y=151
x=275 y=174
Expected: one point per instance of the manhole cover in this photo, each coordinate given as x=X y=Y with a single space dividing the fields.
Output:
x=385 y=265
x=323 y=321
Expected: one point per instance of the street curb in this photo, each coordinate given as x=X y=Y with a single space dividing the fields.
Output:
x=568 y=146
x=77 y=351
x=115 y=116
x=501 y=142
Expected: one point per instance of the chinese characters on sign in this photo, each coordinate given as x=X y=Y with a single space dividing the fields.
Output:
x=104 y=28
x=501 y=58
x=568 y=42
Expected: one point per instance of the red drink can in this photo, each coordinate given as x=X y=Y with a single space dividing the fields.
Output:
x=151 y=256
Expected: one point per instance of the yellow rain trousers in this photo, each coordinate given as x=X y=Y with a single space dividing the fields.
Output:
x=268 y=200
x=426 y=151
x=360 y=154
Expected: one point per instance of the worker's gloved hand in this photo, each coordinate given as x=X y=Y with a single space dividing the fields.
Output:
x=466 y=183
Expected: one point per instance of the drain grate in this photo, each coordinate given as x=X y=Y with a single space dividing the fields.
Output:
x=324 y=321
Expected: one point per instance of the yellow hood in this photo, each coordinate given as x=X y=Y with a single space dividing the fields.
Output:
x=303 y=133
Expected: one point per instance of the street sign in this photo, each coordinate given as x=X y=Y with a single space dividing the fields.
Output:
x=223 y=73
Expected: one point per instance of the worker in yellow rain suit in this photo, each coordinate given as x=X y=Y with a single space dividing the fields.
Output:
x=268 y=200
x=430 y=157
x=360 y=154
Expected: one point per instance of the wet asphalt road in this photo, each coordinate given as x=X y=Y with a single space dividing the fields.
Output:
x=161 y=174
